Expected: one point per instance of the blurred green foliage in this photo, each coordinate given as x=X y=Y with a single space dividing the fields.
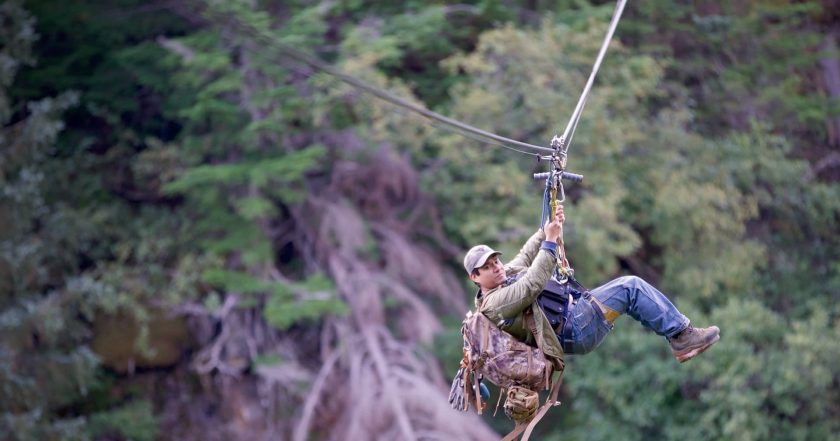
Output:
x=149 y=156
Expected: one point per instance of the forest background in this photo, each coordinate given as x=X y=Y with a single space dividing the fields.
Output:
x=203 y=239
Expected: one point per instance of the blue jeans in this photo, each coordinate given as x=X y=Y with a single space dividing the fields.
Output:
x=630 y=295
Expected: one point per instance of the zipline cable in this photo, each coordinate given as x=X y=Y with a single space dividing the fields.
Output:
x=315 y=63
x=557 y=168
x=566 y=139
x=387 y=96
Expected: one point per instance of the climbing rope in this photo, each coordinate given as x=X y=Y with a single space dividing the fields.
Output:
x=550 y=203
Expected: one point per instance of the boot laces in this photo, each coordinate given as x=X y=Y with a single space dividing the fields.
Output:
x=685 y=333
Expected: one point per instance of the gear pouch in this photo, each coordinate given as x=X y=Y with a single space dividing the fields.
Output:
x=555 y=301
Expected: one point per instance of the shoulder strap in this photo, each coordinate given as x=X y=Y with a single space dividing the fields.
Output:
x=532 y=326
x=528 y=316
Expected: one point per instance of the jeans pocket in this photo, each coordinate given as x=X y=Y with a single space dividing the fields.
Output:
x=589 y=329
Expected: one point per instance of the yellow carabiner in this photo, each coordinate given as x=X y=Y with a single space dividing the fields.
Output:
x=561 y=262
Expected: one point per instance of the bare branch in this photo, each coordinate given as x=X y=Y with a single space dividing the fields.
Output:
x=186 y=53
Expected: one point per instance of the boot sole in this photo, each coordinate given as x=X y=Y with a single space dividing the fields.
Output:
x=682 y=358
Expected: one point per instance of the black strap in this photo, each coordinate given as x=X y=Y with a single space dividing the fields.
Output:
x=556 y=301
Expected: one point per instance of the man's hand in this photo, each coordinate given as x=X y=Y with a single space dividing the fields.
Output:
x=560 y=214
x=554 y=229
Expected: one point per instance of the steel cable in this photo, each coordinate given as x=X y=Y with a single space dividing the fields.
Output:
x=569 y=133
x=458 y=126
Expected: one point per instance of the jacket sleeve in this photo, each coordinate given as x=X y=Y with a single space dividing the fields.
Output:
x=509 y=301
x=526 y=254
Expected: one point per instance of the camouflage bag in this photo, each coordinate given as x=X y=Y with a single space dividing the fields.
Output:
x=510 y=364
x=521 y=404
x=501 y=358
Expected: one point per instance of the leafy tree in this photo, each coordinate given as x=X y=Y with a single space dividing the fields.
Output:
x=46 y=298
x=693 y=201
x=304 y=229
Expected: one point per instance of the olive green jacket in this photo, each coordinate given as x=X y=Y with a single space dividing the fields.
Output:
x=509 y=301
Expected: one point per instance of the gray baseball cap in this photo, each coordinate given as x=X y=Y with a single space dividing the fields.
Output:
x=477 y=256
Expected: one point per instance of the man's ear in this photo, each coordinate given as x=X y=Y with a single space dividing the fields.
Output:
x=473 y=277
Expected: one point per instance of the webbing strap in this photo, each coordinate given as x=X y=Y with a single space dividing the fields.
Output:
x=517 y=430
x=549 y=402
x=530 y=362
x=502 y=391
x=528 y=317
x=528 y=427
x=466 y=393
x=485 y=339
x=532 y=326
x=477 y=391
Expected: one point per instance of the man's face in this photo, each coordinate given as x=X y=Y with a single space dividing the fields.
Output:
x=490 y=275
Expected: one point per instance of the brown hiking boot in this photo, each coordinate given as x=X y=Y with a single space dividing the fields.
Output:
x=692 y=341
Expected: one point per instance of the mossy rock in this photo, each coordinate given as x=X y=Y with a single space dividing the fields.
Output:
x=115 y=340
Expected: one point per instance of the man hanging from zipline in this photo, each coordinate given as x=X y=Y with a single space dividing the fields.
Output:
x=507 y=291
x=532 y=311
